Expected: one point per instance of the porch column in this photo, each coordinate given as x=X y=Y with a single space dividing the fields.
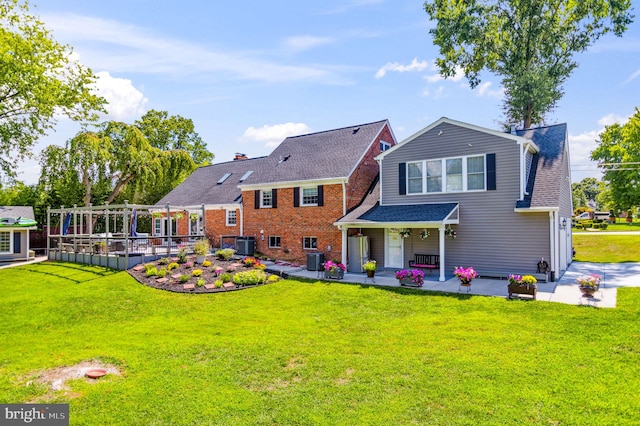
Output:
x=344 y=245
x=441 y=245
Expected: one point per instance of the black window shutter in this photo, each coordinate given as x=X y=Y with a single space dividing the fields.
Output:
x=491 y=172
x=16 y=242
x=274 y=198
x=256 y=198
x=321 y=195
x=402 y=178
x=296 y=197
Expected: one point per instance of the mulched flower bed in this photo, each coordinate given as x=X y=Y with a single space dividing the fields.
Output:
x=171 y=282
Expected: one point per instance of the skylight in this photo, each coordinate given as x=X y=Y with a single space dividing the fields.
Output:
x=246 y=175
x=223 y=178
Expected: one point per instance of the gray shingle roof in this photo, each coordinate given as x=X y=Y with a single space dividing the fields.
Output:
x=546 y=188
x=323 y=155
x=17 y=211
x=201 y=186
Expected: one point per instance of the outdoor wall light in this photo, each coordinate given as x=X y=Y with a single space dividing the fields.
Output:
x=564 y=223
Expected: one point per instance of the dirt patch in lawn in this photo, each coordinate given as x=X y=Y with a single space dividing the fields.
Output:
x=211 y=277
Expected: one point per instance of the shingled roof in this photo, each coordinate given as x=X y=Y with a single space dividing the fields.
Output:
x=545 y=181
x=202 y=186
x=17 y=211
x=316 y=156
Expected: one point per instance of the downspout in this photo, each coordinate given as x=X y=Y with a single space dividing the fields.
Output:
x=241 y=220
x=344 y=245
x=344 y=198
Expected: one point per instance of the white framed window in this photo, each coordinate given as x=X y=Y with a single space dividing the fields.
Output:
x=414 y=177
x=195 y=220
x=456 y=174
x=274 y=242
x=475 y=173
x=157 y=226
x=5 y=242
x=232 y=219
x=309 y=243
x=266 y=199
x=309 y=196
x=384 y=146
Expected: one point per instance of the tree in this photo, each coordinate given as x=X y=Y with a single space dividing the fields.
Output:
x=174 y=132
x=529 y=43
x=39 y=81
x=99 y=167
x=618 y=153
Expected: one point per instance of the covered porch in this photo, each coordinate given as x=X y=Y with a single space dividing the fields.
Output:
x=403 y=236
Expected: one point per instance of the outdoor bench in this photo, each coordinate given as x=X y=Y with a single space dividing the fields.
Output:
x=425 y=261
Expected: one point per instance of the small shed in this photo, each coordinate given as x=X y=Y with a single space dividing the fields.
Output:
x=15 y=224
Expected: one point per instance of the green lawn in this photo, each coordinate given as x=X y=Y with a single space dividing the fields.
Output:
x=295 y=353
x=606 y=248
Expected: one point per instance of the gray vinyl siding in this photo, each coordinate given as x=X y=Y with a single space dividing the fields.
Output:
x=376 y=245
x=491 y=236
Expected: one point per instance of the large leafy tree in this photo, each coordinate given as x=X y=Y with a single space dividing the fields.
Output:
x=618 y=154
x=39 y=81
x=102 y=167
x=529 y=43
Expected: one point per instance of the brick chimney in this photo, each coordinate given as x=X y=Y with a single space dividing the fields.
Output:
x=240 y=156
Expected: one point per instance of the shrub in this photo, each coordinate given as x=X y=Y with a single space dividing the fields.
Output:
x=172 y=265
x=206 y=263
x=273 y=278
x=255 y=276
x=197 y=272
x=184 y=278
x=226 y=277
x=218 y=283
x=260 y=266
x=164 y=261
x=188 y=265
x=151 y=271
x=249 y=261
x=225 y=254
x=162 y=272
x=201 y=247
x=200 y=282
x=182 y=256
x=149 y=266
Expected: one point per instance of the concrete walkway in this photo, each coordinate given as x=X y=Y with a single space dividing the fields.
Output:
x=614 y=275
x=23 y=262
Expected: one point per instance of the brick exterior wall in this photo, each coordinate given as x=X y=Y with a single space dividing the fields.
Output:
x=216 y=226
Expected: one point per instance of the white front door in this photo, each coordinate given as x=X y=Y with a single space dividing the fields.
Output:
x=394 y=249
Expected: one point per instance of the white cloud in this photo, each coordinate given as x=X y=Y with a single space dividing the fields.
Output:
x=124 y=100
x=612 y=118
x=396 y=67
x=306 y=42
x=274 y=134
x=632 y=77
x=120 y=47
x=434 y=78
x=484 y=90
x=438 y=94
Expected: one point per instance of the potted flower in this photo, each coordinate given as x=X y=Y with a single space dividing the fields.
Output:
x=201 y=248
x=334 y=270
x=465 y=275
x=450 y=232
x=589 y=284
x=410 y=277
x=522 y=284
x=405 y=233
x=424 y=234
x=370 y=268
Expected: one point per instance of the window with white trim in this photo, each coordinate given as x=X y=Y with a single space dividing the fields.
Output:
x=384 y=146
x=309 y=196
x=231 y=218
x=309 y=243
x=157 y=226
x=458 y=174
x=274 y=242
x=266 y=199
x=5 y=242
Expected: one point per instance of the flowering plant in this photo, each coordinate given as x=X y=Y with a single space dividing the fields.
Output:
x=404 y=233
x=415 y=275
x=331 y=266
x=370 y=265
x=450 y=232
x=522 y=279
x=424 y=234
x=592 y=280
x=465 y=275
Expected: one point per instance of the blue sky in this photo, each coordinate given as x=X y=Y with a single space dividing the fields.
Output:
x=250 y=74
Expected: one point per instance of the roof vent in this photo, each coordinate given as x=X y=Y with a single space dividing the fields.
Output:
x=356 y=130
x=283 y=159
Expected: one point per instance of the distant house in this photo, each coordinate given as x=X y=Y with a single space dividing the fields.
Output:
x=14 y=239
x=288 y=201
x=506 y=198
